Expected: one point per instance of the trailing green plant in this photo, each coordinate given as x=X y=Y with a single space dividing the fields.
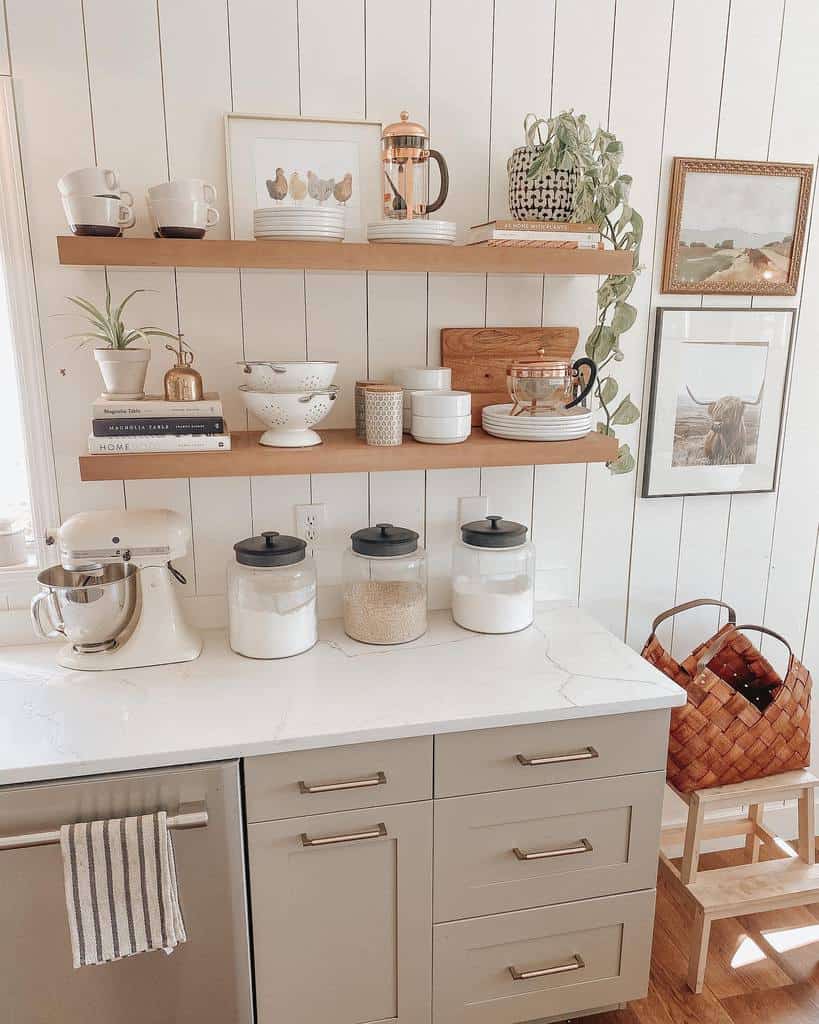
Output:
x=108 y=327
x=566 y=142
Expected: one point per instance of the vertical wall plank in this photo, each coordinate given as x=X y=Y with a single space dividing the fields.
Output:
x=637 y=112
x=399 y=498
x=331 y=57
x=264 y=56
x=51 y=89
x=691 y=116
x=444 y=487
x=345 y=496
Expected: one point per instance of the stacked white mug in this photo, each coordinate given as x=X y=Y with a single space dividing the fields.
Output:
x=183 y=208
x=94 y=203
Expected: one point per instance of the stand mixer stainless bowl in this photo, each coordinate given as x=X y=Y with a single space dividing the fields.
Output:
x=89 y=607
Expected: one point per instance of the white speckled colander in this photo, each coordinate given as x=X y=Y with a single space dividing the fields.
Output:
x=290 y=416
x=287 y=376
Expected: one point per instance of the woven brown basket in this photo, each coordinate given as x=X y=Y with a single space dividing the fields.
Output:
x=719 y=736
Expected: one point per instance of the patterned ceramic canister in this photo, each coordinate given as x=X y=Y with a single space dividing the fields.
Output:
x=547 y=197
x=360 y=387
x=383 y=414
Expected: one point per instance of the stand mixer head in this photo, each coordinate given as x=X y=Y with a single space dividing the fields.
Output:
x=113 y=596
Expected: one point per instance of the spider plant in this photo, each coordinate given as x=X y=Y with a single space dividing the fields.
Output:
x=107 y=326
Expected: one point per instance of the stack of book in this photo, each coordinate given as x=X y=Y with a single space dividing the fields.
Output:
x=154 y=425
x=542 y=234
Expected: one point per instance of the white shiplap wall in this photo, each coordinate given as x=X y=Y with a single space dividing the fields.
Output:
x=142 y=86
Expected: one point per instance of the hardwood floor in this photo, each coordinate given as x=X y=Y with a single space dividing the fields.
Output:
x=762 y=969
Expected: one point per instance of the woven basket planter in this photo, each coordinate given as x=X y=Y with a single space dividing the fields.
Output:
x=719 y=736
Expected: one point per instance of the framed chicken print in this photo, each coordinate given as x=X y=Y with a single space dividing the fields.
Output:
x=736 y=227
x=299 y=164
x=717 y=401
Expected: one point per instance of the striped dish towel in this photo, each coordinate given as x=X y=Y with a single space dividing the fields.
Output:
x=120 y=888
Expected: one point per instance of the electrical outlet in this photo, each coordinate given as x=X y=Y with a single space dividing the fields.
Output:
x=470 y=509
x=309 y=523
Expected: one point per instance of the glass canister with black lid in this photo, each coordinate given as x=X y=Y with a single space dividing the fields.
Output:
x=493 y=576
x=385 y=585
x=271 y=591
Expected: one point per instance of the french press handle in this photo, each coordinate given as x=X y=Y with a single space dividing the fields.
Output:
x=583 y=361
x=444 y=191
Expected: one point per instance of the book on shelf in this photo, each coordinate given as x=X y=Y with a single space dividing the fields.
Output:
x=155 y=407
x=143 y=426
x=536 y=232
x=158 y=444
x=538 y=243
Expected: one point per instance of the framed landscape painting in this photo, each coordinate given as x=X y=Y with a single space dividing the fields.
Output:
x=717 y=401
x=735 y=227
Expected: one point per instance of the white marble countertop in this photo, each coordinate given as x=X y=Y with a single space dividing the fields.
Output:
x=56 y=723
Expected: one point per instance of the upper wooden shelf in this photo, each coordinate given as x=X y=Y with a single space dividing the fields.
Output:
x=76 y=251
x=343 y=452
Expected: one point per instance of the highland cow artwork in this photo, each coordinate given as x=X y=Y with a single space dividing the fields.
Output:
x=736 y=227
x=715 y=418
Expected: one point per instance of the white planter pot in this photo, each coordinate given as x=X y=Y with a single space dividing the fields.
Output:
x=123 y=371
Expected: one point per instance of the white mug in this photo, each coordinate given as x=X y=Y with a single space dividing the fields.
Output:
x=93 y=181
x=183 y=218
x=183 y=188
x=97 y=215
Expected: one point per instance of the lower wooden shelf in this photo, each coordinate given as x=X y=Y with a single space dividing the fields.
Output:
x=343 y=452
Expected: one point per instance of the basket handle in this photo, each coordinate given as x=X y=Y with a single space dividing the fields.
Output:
x=732 y=615
x=716 y=646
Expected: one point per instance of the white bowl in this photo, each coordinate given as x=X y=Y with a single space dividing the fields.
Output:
x=441 y=403
x=275 y=377
x=423 y=378
x=441 y=429
x=289 y=416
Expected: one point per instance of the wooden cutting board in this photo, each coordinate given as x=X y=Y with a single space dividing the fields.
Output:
x=480 y=356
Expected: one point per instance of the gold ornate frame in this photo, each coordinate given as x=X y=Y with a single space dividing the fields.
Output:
x=682 y=166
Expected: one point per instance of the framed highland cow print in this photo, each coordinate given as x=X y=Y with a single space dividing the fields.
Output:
x=717 y=401
x=735 y=227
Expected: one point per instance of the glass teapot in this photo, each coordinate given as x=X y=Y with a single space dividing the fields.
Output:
x=405 y=156
x=548 y=385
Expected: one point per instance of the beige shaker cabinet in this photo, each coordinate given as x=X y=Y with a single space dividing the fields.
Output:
x=342 y=916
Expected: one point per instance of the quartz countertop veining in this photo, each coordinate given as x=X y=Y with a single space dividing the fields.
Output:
x=57 y=723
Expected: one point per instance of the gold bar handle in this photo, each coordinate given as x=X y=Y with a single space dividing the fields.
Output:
x=378 y=832
x=575 y=964
x=584 y=846
x=586 y=754
x=379 y=779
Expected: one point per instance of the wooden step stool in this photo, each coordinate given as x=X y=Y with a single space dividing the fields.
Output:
x=756 y=885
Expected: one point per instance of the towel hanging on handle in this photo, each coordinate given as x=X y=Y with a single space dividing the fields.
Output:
x=121 y=889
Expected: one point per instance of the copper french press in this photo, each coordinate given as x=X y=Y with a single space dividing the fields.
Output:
x=405 y=157
x=548 y=385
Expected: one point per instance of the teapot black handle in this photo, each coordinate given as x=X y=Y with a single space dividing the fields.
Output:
x=444 y=191
x=589 y=384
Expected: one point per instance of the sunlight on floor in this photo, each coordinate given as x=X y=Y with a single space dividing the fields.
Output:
x=782 y=940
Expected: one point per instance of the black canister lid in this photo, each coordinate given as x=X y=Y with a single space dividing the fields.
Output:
x=384 y=540
x=270 y=549
x=494 y=532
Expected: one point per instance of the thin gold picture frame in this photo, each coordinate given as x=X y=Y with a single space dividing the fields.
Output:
x=684 y=165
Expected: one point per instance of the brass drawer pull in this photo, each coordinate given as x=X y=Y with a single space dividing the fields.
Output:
x=378 y=832
x=584 y=846
x=574 y=964
x=379 y=779
x=586 y=754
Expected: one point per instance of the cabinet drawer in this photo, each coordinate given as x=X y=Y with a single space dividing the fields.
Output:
x=342 y=916
x=338 y=778
x=578 y=956
x=551 y=844
x=534 y=755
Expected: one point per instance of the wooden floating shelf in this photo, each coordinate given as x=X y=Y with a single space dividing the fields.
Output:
x=343 y=452
x=77 y=251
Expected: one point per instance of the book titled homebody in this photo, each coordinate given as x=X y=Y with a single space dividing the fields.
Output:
x=155 y=407
x=167 y=443
x=121 y=426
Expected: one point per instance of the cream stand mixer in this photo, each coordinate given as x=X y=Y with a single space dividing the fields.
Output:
x=113 y=595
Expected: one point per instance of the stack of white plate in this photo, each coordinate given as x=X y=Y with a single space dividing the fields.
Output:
x=424 y=232
x=308 y=224
x=543 y=426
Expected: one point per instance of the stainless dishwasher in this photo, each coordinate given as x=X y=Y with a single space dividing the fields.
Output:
x=206 y=980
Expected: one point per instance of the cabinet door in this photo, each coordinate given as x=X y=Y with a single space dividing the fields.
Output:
x=342 y=916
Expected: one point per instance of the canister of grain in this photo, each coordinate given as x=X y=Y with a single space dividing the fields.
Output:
x=385 y=585
x=383 y=414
